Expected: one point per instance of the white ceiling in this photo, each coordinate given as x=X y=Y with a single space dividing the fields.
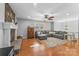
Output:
x=37 y=12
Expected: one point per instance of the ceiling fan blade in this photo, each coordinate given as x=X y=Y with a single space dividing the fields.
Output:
x=51 y=18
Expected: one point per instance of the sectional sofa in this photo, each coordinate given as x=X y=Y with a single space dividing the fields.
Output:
x=42 y=35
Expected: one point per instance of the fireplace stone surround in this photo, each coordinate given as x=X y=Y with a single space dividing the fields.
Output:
x=9 y=34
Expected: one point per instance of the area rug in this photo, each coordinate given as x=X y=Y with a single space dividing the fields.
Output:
x=52 y=42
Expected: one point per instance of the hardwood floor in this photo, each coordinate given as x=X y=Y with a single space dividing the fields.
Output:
x=71 y=48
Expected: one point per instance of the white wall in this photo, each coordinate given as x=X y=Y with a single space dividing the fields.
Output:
x=72 y=25
x=2 y=12
x=1 y=20
x=23 y=24
x=1 y=35
x=59 y=26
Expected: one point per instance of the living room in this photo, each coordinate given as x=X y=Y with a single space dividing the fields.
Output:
x=40 y=27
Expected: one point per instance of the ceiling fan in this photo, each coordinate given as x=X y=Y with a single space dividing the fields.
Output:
x=49 y=17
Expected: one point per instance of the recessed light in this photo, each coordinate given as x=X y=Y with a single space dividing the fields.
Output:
x=35 y=4
x=28 y=16
x=67 y=14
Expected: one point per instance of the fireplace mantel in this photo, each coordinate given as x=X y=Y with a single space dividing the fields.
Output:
x=8 y=25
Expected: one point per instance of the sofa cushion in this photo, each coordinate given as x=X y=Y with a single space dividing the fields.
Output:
x=51 y=32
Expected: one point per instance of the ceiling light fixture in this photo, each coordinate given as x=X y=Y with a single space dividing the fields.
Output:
x=35 y=4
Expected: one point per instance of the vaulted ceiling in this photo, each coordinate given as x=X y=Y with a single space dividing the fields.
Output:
x=37 y=11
